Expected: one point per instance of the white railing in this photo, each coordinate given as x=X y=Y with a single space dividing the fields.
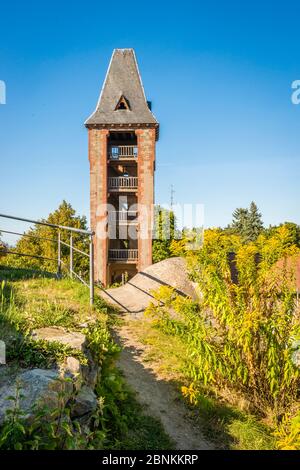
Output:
x=117 y=152
x=122 y=216
x=120 y=255
x=127 y=182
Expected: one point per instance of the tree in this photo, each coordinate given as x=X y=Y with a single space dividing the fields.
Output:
x=239 y=220
x=253 y=224
x=247 y=223
x=42 y=241
x=164 y=233
x=291 y=230
x=3 y=248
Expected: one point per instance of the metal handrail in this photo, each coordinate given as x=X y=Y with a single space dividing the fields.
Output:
x=59 y=242
x=23 y=234
x=80 y=278
x=62 y=227
x=75 y=249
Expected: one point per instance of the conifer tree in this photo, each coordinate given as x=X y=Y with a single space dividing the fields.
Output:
x=247 y=223
x=239 y=221
x=254 y=224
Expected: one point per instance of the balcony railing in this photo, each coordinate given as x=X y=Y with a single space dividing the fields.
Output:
x=119 y=152
x=122 y=255
x=122 y=182
x=122 y=216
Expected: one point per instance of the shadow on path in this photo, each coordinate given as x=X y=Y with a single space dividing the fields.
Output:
x=159 y=398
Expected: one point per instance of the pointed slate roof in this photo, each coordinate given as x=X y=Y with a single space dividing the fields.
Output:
x=122 y=80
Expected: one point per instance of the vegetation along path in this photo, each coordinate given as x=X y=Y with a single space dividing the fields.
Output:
x=156 y=364
x=157 y=395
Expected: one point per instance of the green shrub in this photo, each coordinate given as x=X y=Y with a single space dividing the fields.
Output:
x=240 y=336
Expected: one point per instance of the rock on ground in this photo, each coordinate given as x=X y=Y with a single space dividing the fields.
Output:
x=136 y=294
x=85 y=402
x=37 y=386
x=72 y=339
x=89 y=373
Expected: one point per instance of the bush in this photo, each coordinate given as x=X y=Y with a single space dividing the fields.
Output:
x=241 y=335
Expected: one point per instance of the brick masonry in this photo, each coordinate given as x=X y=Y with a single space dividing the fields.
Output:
x=146 y=162
x=98 y=199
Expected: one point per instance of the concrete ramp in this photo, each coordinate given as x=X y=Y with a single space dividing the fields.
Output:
x=136 y=295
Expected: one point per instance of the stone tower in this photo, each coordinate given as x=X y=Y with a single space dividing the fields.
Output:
x=122 y=132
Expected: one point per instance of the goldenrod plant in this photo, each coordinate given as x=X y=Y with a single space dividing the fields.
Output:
x=243 y=332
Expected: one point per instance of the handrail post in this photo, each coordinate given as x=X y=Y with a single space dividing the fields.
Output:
x=58 y=255
x=91 y=271
x=71 y=256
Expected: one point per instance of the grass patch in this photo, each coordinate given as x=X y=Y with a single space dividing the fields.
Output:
x=146 y=433
x=248 y=434
x=36 y=302
x=16 y=274
x=29 y=301
x=43 y=302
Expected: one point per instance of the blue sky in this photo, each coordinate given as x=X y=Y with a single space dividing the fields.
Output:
x=219 y=76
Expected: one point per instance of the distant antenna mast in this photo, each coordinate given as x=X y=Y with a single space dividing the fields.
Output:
x=172 y=196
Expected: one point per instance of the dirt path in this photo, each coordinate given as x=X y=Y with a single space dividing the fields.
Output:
x=158 y=397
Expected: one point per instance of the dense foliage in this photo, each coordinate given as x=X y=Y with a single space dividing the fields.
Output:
x=244 y=333
x=168 y=240
x=3 y=248
x=247 y=223
x=41 y=241
x=164 y=234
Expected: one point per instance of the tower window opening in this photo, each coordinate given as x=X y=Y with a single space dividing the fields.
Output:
x=122 y=104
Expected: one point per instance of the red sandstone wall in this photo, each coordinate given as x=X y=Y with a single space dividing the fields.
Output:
x=146 y=159
x=98 y=197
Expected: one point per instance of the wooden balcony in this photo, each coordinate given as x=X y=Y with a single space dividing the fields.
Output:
x=123 y=255
x=122 y=183
x=122 y=217
x=122 y=152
